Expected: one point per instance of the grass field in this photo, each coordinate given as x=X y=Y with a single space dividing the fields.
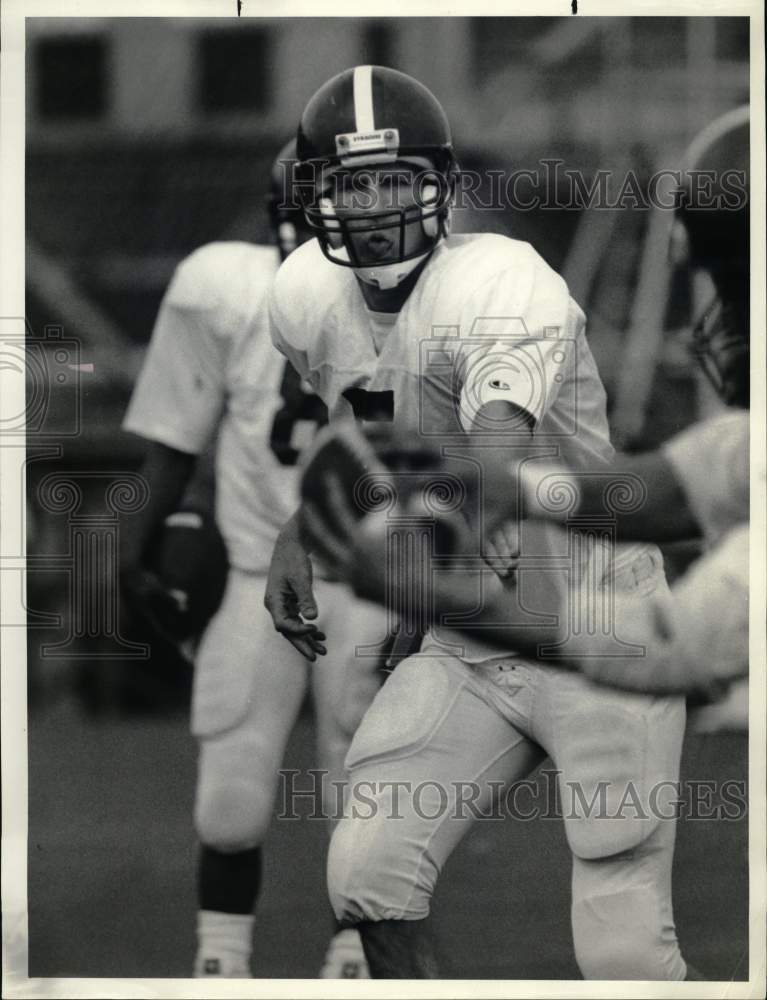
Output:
x=111 y=867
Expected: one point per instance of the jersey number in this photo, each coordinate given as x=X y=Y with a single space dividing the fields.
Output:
x=300 y=412
x=371 y=405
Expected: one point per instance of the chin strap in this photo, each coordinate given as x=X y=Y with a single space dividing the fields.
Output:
x=389 y=275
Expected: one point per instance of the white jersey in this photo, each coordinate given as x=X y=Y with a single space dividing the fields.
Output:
x=711 y=462
x=487 y=319
x=211 y=368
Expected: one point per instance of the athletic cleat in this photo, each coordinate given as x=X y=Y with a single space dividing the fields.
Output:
x=345 y=958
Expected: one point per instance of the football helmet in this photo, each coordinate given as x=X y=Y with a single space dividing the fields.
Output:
x=286 y=216
x=370 y=120
x=712 y=209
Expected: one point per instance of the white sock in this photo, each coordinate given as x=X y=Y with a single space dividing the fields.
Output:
x=226 y=939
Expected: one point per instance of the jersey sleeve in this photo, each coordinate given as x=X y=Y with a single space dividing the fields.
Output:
x=711 y=462
x=180 y=393
x=522 y=333
x=286 y=328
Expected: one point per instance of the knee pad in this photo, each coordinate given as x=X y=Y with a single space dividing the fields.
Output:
x=235 y=798
x=625 y=936
x=617 y=775
x=380 y=866
x=374 y=874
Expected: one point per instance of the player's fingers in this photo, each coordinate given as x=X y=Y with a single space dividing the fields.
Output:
x=510 y=532
x=317 y=646
x=292 y=625
x=504 y=546
x=490 y=551
x=506 y=542
x=303 y=646
x=286 y=615
x=301 y=583
x=493 y=557
x=309 y=645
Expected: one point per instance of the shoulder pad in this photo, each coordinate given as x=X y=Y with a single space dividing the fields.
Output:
x=222 y=273
x=305 y=287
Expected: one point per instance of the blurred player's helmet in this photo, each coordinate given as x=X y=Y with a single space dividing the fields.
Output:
x=368 y=117
x=286 y=216
x=712 y=212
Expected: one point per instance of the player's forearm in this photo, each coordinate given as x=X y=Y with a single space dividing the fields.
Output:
x=167 y=472
x=292 y=531
x=200 y=493
x=639 y=495
x=657 y=507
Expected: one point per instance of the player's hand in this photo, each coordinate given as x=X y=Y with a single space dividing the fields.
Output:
x=501 y=552
x=149 y=599
x=289 y=598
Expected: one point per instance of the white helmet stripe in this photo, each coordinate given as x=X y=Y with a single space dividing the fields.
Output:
x=363 y=99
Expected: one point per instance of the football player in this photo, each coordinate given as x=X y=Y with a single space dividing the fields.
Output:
x=212 y=372
x=696 y=485
x=472 y=337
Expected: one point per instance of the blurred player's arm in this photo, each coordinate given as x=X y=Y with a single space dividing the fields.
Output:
x=356 y=549
x=696 y=639
x=696 y=483
x=167 y=472
x=663 y=513
x=176 y=407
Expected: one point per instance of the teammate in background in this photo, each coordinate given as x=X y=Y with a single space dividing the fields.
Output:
x=211 y=372
x=506 y=363
x=696 y=485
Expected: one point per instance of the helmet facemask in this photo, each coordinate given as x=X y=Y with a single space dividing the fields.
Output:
x=711 y=234
x=720 y=343
x=381 y=220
